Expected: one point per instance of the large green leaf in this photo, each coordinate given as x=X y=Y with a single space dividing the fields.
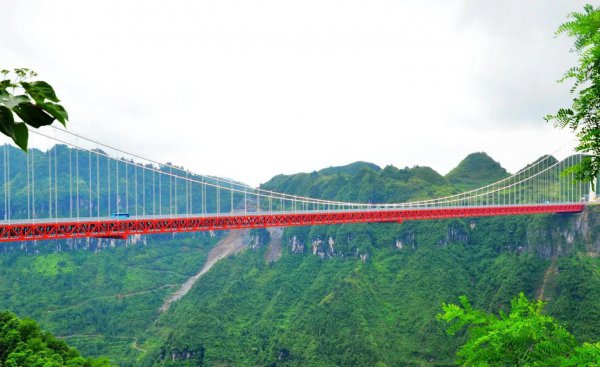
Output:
x=10 y=101
x=33 y=115
x=40 y=91
x=21 y=135
x=4 y=84
x=7 y=121
x=57 y=111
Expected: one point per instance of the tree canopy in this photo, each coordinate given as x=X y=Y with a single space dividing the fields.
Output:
x=23 y=343
x=583 y=116
x=34 y=102
x=523 y=337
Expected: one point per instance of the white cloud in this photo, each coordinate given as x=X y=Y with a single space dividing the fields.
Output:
x=251 y=89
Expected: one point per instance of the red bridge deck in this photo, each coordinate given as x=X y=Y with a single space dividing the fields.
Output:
x=121 y=228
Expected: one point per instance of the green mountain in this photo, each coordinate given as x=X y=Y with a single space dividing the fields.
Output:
x=476 y=170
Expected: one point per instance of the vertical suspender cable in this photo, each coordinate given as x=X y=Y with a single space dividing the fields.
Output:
x=90 y=181
x=28 y=187
x=218 y=198
x=143 y=190
x=135 y=180
x=32 y=185
x=117 y=209
x=175 y=195
x=7 y=150
x=187 y=199
x=4 y=181
x=49 y=154
x=126 y=187
x=70 y=184
x=97 y=183
x=170 y=191
x=77 y=180
x=160 y=193
x=108 y=179
x=203 y=196
x=56 y=181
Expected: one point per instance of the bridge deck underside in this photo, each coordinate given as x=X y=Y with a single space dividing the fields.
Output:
x=121 y=228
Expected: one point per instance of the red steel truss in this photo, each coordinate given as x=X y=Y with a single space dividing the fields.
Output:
x=121 y=228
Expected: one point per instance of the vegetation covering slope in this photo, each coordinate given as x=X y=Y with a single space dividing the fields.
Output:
x=99 y=295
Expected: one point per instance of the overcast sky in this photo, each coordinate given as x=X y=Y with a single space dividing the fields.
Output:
x=249 y=89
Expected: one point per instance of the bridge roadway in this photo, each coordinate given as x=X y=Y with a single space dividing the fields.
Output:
x=110 y=227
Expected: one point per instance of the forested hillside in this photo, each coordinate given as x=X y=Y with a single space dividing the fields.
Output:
x=360 y=294
x=367 y=294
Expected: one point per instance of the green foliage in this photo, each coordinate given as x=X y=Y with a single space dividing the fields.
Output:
x=524 y=337
x=584 y=115
x=34 y=102
x=587 y=355
x=577 y=291
x=23 y=343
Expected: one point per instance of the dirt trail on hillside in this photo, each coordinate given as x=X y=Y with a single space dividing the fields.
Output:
x=274 y=250
x=231 y=244
x=108 y=296
x=551 y=271
x=134 y=343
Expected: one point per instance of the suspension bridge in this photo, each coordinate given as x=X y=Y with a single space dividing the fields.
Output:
x=79 y=187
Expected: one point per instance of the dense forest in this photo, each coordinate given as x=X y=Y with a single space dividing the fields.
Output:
x=357 y=294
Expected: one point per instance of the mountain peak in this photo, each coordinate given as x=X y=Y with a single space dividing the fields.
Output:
x=477 y=169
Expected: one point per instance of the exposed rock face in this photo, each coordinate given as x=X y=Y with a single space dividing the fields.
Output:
x=194 y=355
x=297 y=246
x=274 y=250
x=88 y=244
x=545 y=236
x=561 y=235
x=455 y=234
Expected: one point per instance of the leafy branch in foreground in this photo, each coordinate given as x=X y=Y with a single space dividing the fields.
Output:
x=34 y=102
x=584 y=115
x=524 y=337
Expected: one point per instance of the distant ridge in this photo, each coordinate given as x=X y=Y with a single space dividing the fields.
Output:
x=349 y=169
